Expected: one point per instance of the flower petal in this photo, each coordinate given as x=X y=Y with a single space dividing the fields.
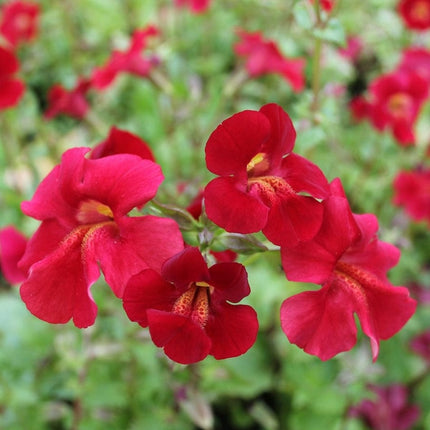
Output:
x=147 y=290
x=233 y=144
x=12 y=247
x=185 y=267
x=234 y=210
x=320 y=322
x=183 y=341
x=232 y=330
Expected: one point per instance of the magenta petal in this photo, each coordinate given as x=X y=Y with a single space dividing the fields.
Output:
x=383 y=310
x=185 y=267
x=147 y=290
x=122 y=181
x=233 y=144
x=12 y=247
x=57 y=290
x=141 y=243
x=230 y=281
x=233 y=209
x=303 y=175
x=293 y=220
x=11 y=92
x=283 y=134
x=183 y=341
x=232 y=330
x=320 y=322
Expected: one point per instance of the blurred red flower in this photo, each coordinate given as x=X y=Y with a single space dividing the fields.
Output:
x=416 y=60
x=130 y=61
x=263 y=57
x=196 y=6
x=12 y=247
x=412 y=191
x=421 y=345
x=11 y=89
x=187 y=309
x=389 y=411
x=68 y=102
x=83 y=205
x=19 y=21
x=353 y=49
x=261 y=180
x=415 y=14
x=395 y=102
x=350 y=263
x=122 y=142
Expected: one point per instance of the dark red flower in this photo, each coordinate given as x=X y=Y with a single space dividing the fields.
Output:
x=415 y=14
x=196 y=6
x=412 y=191
x=83 y=205
x=11 y=89
x=261 y=181
x=395 y=103
x=263 y=57
x=360 y=108
x=68 y=102
x=350 y=263
x=416 y=60
x=421 y=345
x=389 y=411
x=187 y=308
x=130 y=61
x=19 y=20
x=12 y=247
x=122 y=142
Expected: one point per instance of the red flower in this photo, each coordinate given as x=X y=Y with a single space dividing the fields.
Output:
x=83 y=205
x=68 y=102
x=187 y=309
x=130 y=61
x=350 y=263
x=412 y=191
x=196 y=6
x=353 y=49
x=260 y=178
x=390 y=410
x=421 y=345
x=19 y=21
x=416 y=60
x=415 y=14
x=12 y=247
x=122 y=142
x=263 y=57
x=395 y=102
x=327 y=5
x=11 y=89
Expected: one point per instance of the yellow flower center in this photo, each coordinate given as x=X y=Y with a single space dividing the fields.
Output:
x=420 y=11
x=399 y=105
x=93 y=212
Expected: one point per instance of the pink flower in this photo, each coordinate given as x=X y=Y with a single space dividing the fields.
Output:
x=389 y=411
x=421 y=345
x=196 y=6
x=19 y=21
x=350 y=263
x=412 y=191
x=416 y=60
x=83 y=205
x=68 y=102
x=187 y=308
x=12 y=247
x=261 y=181
x=130 y=61
x=415 y=14
x=11 y=89
x=263 y=57
x=395 y=103
x=122 y=142
x=353 y=48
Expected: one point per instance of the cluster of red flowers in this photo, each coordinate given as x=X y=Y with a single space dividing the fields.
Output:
x=74 y=102
x=18 y=24
x=190 y=307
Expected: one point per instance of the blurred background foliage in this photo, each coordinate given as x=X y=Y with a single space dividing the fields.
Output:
x=111 y=375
